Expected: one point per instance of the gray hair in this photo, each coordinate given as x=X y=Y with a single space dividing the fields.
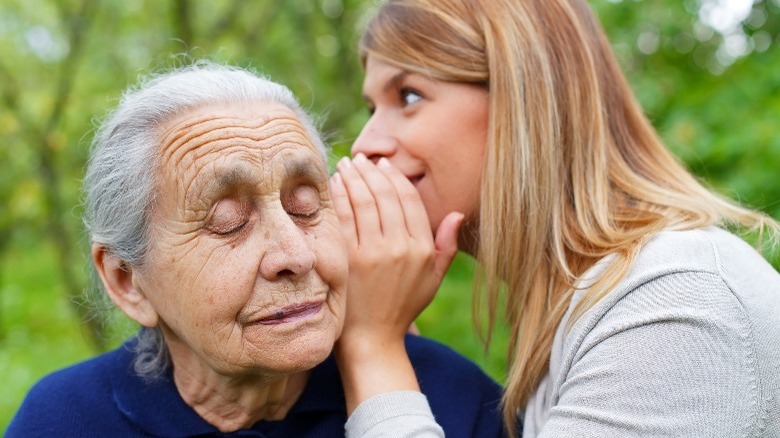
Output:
x=119 y=185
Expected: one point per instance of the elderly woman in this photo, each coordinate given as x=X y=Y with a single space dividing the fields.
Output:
x=212 y=227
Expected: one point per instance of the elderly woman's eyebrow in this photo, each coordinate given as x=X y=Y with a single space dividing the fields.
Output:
x=305 y=168
x=212 y=185
x=236 y=175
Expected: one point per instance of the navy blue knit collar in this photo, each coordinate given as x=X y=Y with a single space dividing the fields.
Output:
x=157 y=408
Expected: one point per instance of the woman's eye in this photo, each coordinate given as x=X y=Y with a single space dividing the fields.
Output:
x=409 y=96
x=303 y=202
x=228 y=216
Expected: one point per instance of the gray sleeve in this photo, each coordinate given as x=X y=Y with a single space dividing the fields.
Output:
x=675 y=357
x=397 y=414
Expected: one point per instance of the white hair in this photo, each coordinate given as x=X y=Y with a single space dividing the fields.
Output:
x=119 y=185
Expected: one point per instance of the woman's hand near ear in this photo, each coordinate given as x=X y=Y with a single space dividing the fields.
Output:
x=396 y=266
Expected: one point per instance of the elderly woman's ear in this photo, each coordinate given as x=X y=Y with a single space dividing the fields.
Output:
x=121 y=285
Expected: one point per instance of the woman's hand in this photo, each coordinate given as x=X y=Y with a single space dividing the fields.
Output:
x=395 y=266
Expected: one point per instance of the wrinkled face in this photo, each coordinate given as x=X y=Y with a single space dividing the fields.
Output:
x=247 y=268
x=435 y=132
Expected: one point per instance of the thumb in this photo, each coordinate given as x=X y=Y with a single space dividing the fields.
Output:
x=446 y=242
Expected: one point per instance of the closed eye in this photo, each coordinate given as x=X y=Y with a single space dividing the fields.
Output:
x=227 y=229
x=303 y=202
x=228 y=216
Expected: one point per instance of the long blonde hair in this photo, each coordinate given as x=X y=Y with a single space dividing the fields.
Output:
x=574 y=171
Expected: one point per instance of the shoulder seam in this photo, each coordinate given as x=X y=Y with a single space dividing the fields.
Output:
x=755 y=421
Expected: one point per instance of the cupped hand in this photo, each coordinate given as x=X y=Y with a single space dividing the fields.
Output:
x=395 y=267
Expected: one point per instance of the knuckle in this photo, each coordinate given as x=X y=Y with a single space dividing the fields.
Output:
x=425 y=250
x=367 y=260
x=384 y=192
x=398 y=252
x=409 y=196
x=363 y=203
x=344 y=216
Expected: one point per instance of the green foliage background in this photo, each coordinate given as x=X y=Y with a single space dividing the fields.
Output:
x=713 y=94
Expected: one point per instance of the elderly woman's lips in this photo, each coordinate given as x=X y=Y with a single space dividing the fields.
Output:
x=292 y=313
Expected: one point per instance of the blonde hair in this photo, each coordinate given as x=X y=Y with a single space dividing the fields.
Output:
x=589 y=175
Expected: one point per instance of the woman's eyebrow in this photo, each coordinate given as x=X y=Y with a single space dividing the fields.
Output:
x=391 y=83
x=395 y=80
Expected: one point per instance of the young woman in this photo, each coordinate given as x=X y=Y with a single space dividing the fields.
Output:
x=510 y=124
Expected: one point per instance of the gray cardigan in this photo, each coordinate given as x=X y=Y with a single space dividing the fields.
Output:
x=687 y=344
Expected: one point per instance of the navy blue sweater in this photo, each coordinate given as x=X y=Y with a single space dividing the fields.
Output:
x=104 y=397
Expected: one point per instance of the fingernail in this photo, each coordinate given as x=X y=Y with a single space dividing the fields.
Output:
x=344 y=163
x=384 y=163
x=336 y=179
x=360 y=158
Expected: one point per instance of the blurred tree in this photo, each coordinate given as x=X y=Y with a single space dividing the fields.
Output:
x=40 y=130
x=704 y=70
x=63 y=63
x=706 y=73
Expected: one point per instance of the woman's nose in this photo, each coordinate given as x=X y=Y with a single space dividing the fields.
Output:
x=288 y=253
x=375 y=140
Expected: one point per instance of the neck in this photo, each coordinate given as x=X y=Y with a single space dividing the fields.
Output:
x=233 y=403
x=468 y=236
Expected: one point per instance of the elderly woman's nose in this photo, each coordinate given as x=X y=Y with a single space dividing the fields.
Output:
x=288 y=252
x=375 y=140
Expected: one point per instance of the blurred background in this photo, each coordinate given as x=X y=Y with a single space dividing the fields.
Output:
x=706 y=71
